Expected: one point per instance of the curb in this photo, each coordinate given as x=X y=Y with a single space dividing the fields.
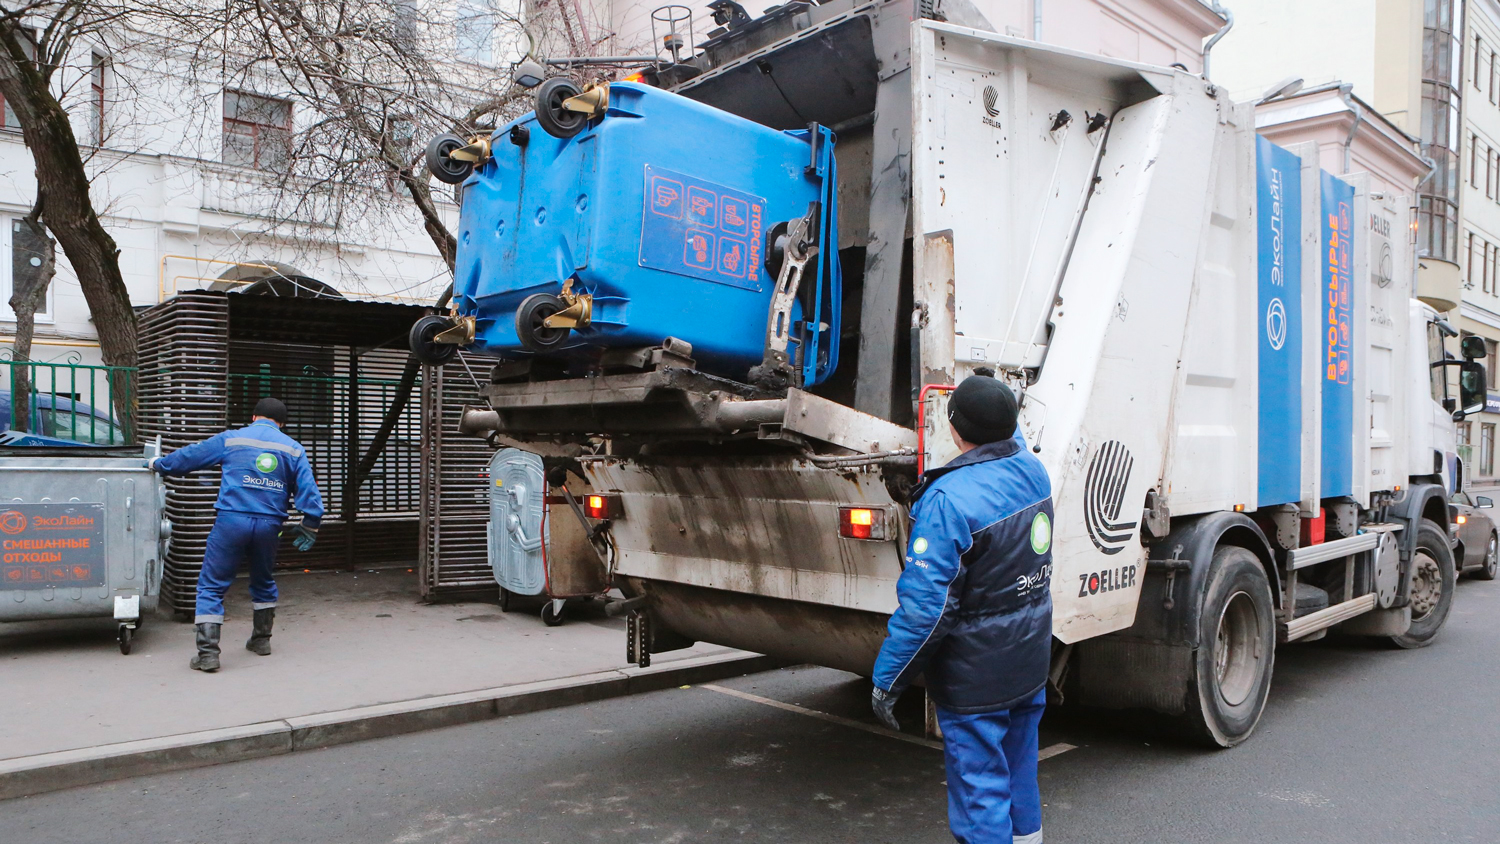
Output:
x=29 y=775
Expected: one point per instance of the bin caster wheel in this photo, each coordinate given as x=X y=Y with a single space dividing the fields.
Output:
x=552 y=613
x=556 y=120
x=531 y=331
x=440 y=163
x=504 y=599
x=126 y=636
x=421 y=344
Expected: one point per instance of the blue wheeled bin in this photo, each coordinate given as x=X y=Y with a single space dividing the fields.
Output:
x=660 y=217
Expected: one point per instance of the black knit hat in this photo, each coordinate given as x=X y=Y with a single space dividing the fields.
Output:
x=983 y=410
x=272 y=409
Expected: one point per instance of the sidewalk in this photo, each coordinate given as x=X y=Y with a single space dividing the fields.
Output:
x=342 y=641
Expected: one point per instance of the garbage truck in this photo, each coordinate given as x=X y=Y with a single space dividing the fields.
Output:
x=1246 y=415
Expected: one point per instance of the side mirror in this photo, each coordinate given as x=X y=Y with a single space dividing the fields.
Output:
x=1484 y=502
x=1473 y=347
x=1472 y=389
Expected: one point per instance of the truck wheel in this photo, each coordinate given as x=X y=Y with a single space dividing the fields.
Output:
x=1432 y=580
x=1236 y=650
x=1487 y=569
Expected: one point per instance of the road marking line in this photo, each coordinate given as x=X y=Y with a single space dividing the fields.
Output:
x=1054 y=749
x=1045 y=753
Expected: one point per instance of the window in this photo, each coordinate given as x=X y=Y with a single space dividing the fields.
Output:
x=1494 y=71
x=28 y=46
x=1489 y=362
x=474 y=33
x=96 y=98
x=257 y=131
x=1478 y=53
x=1473 y=161
x=1487 y=449
x=1441 y=129
x=1436 y=379
x=27 y=254
x=1469 y=265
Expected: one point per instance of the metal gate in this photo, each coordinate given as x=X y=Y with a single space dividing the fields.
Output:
x=455 y=482
x=206 y=357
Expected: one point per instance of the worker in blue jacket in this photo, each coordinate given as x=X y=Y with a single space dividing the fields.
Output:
x=975 y=616
x=260 y=468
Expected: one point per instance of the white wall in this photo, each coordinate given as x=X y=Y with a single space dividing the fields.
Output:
x=1323 y=41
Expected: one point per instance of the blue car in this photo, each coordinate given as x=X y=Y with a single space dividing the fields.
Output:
x=59 y=421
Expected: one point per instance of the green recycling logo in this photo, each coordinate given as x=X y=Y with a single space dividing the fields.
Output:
x=266 y=462
x=1041 y=533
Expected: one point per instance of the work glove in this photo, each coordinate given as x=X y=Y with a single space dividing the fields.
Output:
x=884 y=704
x=303 y=537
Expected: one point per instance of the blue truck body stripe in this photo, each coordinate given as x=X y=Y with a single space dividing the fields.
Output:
x=1278 y=177
x=1337 y=363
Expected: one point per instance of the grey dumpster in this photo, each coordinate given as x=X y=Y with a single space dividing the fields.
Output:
x=82 y=535
x=530 y=552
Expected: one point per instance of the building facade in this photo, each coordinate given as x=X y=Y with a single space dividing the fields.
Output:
x=1480 y=312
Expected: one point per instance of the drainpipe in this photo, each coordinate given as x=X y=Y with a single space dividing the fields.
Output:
x=1036 y=20
x=1346 y=91
x=1228 y=17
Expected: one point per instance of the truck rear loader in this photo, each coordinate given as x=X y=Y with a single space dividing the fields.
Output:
x=1243 y=410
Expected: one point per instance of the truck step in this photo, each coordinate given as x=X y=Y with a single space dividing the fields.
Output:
x=1299 y=628
x=1337 y=549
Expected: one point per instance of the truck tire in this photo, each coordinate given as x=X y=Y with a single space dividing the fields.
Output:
x=1236 y=650
x=1433 y=576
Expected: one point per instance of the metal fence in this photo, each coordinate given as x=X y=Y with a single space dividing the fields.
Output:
x=207 y=357
x=71 y=400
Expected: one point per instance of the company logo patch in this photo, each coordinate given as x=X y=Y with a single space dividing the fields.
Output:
x=919 y=545
x=1041 y=533
x=266 y=462
x=1276 y=324
x=12 y=522
x=1103 y=495
x=991 y=97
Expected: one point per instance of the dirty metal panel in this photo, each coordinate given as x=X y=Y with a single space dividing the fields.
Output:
x=832 y=422
x=762 y=526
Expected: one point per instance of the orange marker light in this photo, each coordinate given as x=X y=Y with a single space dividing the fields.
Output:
x=862 y=523
x=602 y=507
x=1463 y=520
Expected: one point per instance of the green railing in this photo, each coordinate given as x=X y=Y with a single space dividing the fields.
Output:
x=70 y=401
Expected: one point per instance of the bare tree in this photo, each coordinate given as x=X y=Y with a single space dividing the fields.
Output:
x=36 y=38
x=34 y=262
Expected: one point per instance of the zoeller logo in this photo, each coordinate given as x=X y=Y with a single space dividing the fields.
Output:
x=1104 y=493
x=991 y=96
x=266 y=462
x=991 y=111
x=1276 y=324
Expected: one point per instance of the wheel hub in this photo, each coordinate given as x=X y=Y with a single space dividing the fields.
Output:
x=1237 y=649
x=1426 y=586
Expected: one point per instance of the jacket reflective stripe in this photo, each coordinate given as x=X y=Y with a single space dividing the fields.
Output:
x=263 y=444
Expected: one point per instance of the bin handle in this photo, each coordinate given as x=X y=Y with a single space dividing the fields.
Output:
x=129 y=513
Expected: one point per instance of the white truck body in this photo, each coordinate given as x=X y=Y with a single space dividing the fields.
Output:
x=1093 y=231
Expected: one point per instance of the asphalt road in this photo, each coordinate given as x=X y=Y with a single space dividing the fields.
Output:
x=1361 y=744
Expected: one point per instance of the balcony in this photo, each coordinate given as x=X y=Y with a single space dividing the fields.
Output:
x=1439 y=284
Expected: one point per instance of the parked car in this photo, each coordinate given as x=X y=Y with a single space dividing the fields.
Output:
x=1477 y=537
x=59 y=420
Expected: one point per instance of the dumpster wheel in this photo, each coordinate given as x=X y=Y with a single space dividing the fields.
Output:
x=127 y=634
x=420 y=340
x=557 y=120
x=530 y=322
x=442 y=165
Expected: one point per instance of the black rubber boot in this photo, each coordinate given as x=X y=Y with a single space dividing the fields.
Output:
x=260 y=636
x=208 y=648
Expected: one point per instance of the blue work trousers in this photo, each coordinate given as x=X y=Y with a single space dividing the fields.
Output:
x=991 y=758
x=237 y=538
